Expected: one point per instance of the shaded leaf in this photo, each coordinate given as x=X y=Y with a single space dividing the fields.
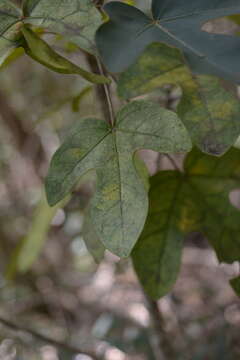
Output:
x=158 y=65
x=77 y=20
x=210 y=113
x=157 y=254
x=119 y=207
x=195 y=200
x=40 y=51
x=176 y=23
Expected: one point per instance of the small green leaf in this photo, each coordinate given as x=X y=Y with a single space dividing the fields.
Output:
x=210 y=113
x=176 y=23
x=195 y=200
x=40 y=51
x=119 y=207
x=77 y=20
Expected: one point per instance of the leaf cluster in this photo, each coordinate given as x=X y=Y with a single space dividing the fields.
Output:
x=146 y=52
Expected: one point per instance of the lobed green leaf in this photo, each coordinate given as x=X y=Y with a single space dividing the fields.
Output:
x=119 y=207
x=195 y=200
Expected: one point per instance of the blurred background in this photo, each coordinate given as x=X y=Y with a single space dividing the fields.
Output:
x=56 y=302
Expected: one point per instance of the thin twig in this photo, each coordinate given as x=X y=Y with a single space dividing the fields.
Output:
x=43 y=338
x=108 y=95
x=173 y=162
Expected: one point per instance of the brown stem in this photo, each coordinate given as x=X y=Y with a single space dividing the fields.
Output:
x=162 y=346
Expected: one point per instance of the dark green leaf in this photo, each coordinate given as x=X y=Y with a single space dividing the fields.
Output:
x=157 y=255
x=176 y=23
x=212 y=179
x=40 y=51
x=119 y=207
x=195 y=200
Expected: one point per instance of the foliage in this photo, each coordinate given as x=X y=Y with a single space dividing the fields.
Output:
x=147 y=52
x=182 y=202
x=120 y=194
x=176 y=23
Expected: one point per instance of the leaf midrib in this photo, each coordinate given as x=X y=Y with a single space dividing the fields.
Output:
x=114 y=137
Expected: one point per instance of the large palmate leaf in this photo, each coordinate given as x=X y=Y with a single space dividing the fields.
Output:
x=77 y=20
x=177 y=23
x=119 y=207
x=195 y=200
x=210 y=113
